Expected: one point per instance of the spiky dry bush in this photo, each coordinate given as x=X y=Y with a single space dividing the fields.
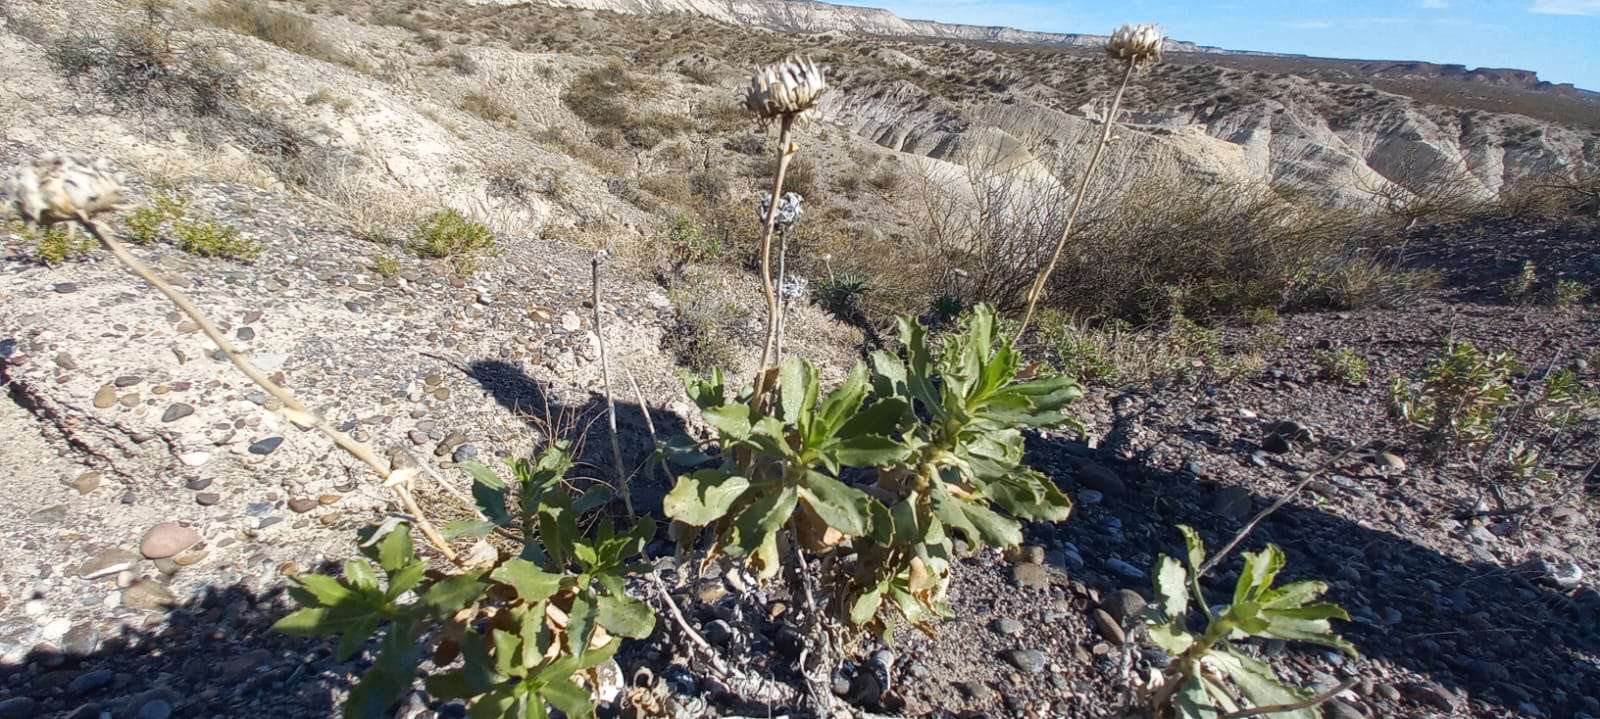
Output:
x=286 y=30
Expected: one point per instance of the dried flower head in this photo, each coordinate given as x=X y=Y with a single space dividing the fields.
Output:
x=1139 y=44
x=784 y=88
x=55 y=188
x=796 y=288
x=789 y=211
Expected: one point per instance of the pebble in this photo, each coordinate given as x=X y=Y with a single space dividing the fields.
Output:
x=245 y=334
x=194 y=459
x=148 y=594
x=107 y=562
x=1108 y=627
x=1097 y=477
x=105 y=397
x=87 y=482
x=90 y=681
x=66 y=288
x=1028 y=661
x=207 y=499
x=302 y=505
x=1124 y=605
x=1006 y=627
x=167 y=539
x=155 y=709
x=198 y=483
x=464 y=453
x=177 y=411
x=265 y=446
x=18 y=708
x=1124 y=569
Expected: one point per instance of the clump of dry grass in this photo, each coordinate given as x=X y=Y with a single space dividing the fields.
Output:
x=492 y=109
x=286 y=30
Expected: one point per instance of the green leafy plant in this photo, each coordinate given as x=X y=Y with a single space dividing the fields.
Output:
x=842 y=294
x=213 y=238
x=449 y=234
x=1461 y=394
x=1343 y=364
x=1569 y=293
x=534 y=631
x=54 y=245
x=687 y=244
x=1212 y=673
x=937 y=438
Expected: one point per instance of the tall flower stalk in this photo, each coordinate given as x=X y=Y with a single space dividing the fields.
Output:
x=1135 y=47
x=780 y=91
x=65 y=188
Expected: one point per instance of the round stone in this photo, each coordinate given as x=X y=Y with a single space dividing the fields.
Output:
x=167 y=539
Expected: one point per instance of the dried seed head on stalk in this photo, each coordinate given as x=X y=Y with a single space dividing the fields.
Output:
x=789 y=210
x=55 y=188
x=1139 y=44
x=784 y=88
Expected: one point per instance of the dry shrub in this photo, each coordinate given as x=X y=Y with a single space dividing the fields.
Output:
x=286 y=30
x=1427 y=189
x=492 y=109
x=1202 y=250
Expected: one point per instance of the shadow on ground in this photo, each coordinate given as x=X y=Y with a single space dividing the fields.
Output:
x=1490 y=633
x=585 y=424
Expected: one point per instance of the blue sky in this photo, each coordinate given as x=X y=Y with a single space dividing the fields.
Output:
x=1560 y=39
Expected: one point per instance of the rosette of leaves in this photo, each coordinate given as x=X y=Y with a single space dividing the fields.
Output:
x=532 y=630
x=938 y=445
x=962 y=412
x=1211 y=674
x=781 y=464
x=1463 y=391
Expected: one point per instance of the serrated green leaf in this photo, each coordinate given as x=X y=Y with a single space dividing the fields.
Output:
x=1293 y=594
x=558 y=527
x=732 y=420
x=993 y=529
x=1260 y=685
x=406 y=579
x=868 y=450
x=532 y=583
x=507 y=658
x=756 y=524
x=1259 y=570
x=1195 y=545
x=882 y=418
x=307 y=622
x=482 y=474
x=391 y=675
x=395 y=550
x=797 y=390
x=840 y=405
x=581 y=621
x=703 y=497
x=453 y=685
x=625 y=616
x=593 y=498
x=843 y=507
x=570 y=698
x=355 y=636
x=498 y=703
x=1171 y=637
x=451 y=594
x=1172 y=588
x=866 y=606
x=326 y=590
x=358 y=572
x=1192 y=702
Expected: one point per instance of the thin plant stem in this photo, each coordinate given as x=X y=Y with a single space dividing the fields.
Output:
x=605 y=378
x=767 y=350
x=296 y=412
x=1077 y=203
x=783 y=302
x=1317 y=700
x=649 y=424
x=1263 y=514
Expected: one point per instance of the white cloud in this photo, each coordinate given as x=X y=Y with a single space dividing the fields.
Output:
x=1566 y=7
x=1312 y=25
x=1436 y=4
